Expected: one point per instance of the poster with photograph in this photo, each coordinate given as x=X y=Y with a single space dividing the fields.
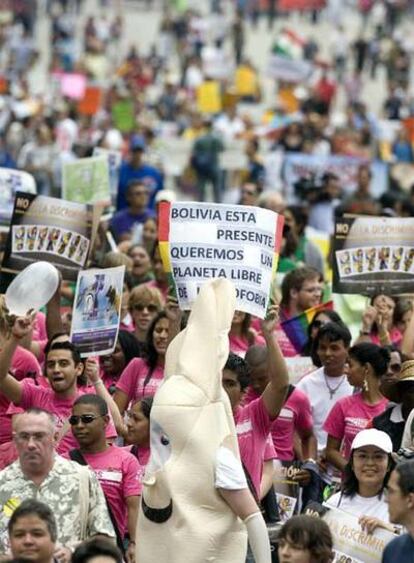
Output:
x=286 y=506
x=12 y=181
x=200 y=241
x=344 y=558
x=373 y=255
x=45 y=228
x=96 y=311
x=349 y=538
x=86 y=180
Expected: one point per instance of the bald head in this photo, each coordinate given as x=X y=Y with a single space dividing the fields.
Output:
x=255 y=356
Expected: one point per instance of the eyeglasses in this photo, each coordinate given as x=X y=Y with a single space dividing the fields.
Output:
x=395 y=368
x=27 y=436
x=84 y=418
x=139 y=307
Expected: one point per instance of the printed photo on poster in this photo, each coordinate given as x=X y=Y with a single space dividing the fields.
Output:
x=373 y=255
x=286 y=506
x=50 y=229
x=12 y=181
x=96 y=311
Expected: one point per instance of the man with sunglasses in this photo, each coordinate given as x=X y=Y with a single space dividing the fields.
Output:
x=63 y=366
x=117 y=470
x=72 y=492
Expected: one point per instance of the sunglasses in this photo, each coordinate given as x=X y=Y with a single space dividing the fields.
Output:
x=395 y=368
x=84 y=418
x=139 y=307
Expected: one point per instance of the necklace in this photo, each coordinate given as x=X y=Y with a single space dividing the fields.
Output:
x=333 y=390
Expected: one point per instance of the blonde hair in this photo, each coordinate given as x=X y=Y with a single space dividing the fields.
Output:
x=113 y=259
x=145 y=294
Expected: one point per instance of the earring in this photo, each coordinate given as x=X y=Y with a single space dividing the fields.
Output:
x=365 y=385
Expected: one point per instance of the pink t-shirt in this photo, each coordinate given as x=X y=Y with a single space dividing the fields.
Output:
x=295 y=416
x=118 y=472
x=46 y=398
x=142 y=454
x=252 y=427
x=395 y=336
x=132 y=380
x=285 y=345
x=349 y=416
x=39 y=328
x=239 y=345
x=23 y=365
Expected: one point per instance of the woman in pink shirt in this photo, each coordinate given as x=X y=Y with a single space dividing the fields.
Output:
x=143 y=375
x=241 y=336
x=138 y=430
x=112 y=365
x=367 y=363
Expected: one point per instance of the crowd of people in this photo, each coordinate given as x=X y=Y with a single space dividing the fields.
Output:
x=190 y=117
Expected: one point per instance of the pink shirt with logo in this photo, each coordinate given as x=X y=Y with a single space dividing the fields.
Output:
x=295 y=416
x=46 y=398
x=23 y=365
x=142 y=454
x=252 y=427
x=118 y=472
x=132 y=380
x=349 y=416
x=285 y=345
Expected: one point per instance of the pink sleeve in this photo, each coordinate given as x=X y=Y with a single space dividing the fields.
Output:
x=39 y=331
x=132 y=485
x=260 y=417
x=129 y=378
x=29 y=392
x=335 y=422
x=304 y=421
x=24 y=364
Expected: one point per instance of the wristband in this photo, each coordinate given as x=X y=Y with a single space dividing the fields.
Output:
x=95 y=383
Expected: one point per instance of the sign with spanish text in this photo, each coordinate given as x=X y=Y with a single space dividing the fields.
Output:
x=96 y=311
x=373 y=255
x=45 y=228
x=350 y=539
x=201 y=241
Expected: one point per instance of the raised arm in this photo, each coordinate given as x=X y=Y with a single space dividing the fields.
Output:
x=12 y=388
x=275 y=393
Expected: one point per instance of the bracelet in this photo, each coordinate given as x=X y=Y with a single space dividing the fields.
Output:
x=95 y=383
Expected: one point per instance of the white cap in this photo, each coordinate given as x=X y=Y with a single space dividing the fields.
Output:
x=372 y=437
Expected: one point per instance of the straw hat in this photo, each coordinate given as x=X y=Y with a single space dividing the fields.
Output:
x=393 y=390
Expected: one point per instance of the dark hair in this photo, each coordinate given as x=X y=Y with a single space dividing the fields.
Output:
x=402 y=306
x=66 y=346
x=30 y=507
x=146 y=405
x=52 y=339
x=135 y=182
x=405 y=471
x=333 y=332
x=239 y=366
x=332 y=315
x=130 y=345
x=350 y=484
x=94 y=547
x=295 y=280
x=95 y=400
x=300 y=215
x=374 y=329
x=309 y=533
x=151 y=354
x=368 y=353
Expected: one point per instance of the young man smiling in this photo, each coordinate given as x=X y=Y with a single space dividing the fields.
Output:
x=63 y=366
x=116 y=469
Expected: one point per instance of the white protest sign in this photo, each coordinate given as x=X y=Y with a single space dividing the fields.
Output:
x=349 y=537
x=200 y=241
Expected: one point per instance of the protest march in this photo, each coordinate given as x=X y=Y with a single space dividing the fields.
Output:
x=207 y=281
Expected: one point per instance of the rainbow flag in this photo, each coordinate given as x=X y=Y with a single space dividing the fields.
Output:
x=296 y=328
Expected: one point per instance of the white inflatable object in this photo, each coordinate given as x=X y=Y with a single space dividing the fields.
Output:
x=32 y=288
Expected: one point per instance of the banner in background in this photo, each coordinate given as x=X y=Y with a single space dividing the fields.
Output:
x=299 y=165
x=12 y=181
x=123 y=115
x=288 y=5
x=86 y=180
x=349 y=537
x=45 y=228
x=200 y=241
x=96 y=311
x=373 y=255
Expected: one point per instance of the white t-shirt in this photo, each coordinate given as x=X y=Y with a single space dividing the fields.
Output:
x=361 y=506
x=229 y=471
x=315 y=386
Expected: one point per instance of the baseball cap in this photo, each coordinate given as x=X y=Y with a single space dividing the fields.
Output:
x=137 y=143
x=372 y=437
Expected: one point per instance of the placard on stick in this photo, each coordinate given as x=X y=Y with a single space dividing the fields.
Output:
x=200 y=241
